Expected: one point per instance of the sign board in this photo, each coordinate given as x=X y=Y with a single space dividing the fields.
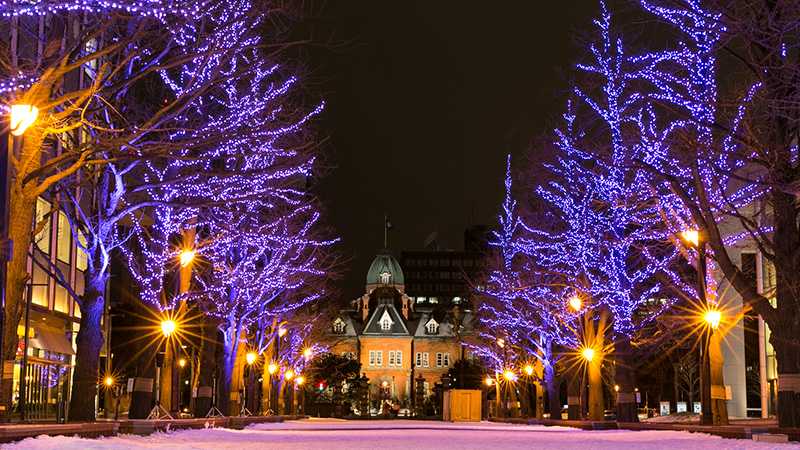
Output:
x=696 y=408
x=638 y=398
x=130 y=385
x=663 y=408
x=681 y=407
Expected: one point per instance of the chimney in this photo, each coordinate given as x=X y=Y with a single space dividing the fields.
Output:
x=364 y=308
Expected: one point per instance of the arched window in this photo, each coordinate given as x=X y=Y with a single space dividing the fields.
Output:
x=338 y=326
x=432 y=327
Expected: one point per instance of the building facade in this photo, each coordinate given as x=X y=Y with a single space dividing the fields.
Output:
x=398 y=341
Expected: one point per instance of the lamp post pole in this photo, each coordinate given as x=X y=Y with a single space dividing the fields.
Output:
x=706 y=417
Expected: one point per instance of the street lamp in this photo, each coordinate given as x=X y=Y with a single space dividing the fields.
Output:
x=588 y=354
x=272 y=368
x=528 y=369
x=251 y=357
x=109 y=381
x=182 y=363
x=300 y=380
x=509 y=375
x=168 y=327
x=308 y=353
x=22 y=117
x=575 y=303
x=187 y=256
x=489 y=380
x=691 y=237
x=712 y=318
x=281 y=332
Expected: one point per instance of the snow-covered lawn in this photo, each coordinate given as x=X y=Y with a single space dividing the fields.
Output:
x=399 y=434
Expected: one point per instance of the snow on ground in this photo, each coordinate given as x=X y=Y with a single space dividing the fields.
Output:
x=399 y=434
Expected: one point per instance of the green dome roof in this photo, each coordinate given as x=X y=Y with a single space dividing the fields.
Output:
x=382 y=264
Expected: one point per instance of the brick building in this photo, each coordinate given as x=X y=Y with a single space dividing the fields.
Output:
x=396 y=339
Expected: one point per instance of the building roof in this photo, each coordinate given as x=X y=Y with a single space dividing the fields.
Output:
x=385 y=263
x=386 y=310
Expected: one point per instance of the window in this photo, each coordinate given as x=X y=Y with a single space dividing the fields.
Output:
x=438 y=360
x=40 y=287
x=338 y=326
x=446 y=359
x=386 y=277
x=425 y=362
x=421 y=299
x=64 y=236
x=376 y=358
x=81 y=261
x=456 y=300
x=434 y=299
x=395 y=358
x=418 y=362
x=62 y=299
x=432 y=327
x=42 y=238
x=386 y=321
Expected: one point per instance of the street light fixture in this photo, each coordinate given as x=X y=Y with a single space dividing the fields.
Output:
x=712 y=317
x=251 y=357
x=588 y=354
x=308 y=353
x=187 y=256
x=300 y=380
x=691 y=237
x=272 y=368
x=575 y=303
x=168 y=327
x=509 y=375
x=182 y=362
x=22 y=117
x=281 y=332
x=489 y=380
x=288 y=375
x=528 y=369
x=109 y=381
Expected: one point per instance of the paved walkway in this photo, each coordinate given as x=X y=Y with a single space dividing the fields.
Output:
x=398 y=434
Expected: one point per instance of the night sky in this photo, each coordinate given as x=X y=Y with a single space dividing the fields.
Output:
x=425 y=98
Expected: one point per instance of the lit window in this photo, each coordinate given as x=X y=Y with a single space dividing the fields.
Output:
x=446 y=359
x=42 y=238
x=398 y=358
x=386 y=277
x=421 y=299
x=392 y=361
x=434 y=300
x=438 y=360
x=40 y=289
x=418 y=362
x=376 y=358
x=425 y=359
x=386 y=321
x=61 y=299
x=338 y=326
x=81 y=261
x=456 y=300
x=64 y=238
x=432 y=327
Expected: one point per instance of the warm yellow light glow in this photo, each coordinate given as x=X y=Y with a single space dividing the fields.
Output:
x=251 y=357
x=22 y=117
x=300 y=380
x=281 y=332
x=182 y=362
x=489 y=381
x=509 y=375
x=528 y=369
x=168 y=327
x=289 y=374
x=712 y=317
x=272 y=368
x=109 y=381
x=187 y=256
x=308 y=353
x=691 y=237
x=501 y=343
x=588 y=354
x=616 y=388
x=575 y=303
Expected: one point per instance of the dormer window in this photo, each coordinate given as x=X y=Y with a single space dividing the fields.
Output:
x=432 y=327
x=386 y=277
x=386 y=321
x=338 y=326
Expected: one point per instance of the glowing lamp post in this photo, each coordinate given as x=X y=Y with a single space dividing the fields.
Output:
x=251 y=358
x=489 y=381
x=587 y=354
x=186 y=257
x=712 y=318
x=300 y=380
x=528 y=369
x=509 y=375
x=168 y=327
x=308 y=353
x=182 y=363
x=575 y=303
x=109 y=381
x=22 y=117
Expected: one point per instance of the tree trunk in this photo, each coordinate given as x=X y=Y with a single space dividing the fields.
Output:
x=205 y=378
x=719 y=409
x=553 y=391
x=89 y=343
x=788 y=355
x=231 y=346
x=596 y=405
x=626 y=380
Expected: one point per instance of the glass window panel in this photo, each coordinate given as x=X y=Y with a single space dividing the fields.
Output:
x=81 y=262
x=42 y=238
x=40 y=289
x=61 y=300
x=64 y=245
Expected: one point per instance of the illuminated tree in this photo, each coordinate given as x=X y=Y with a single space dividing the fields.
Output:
x=732 y=158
